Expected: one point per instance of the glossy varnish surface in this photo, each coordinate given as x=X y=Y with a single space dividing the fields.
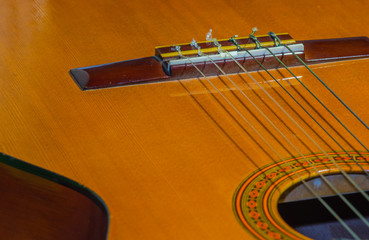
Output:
x=166 y=157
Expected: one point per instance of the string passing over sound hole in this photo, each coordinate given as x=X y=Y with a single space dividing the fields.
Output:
x=302 y=211
x=276 y=202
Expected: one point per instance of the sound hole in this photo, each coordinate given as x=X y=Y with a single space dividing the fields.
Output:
x=302 y=211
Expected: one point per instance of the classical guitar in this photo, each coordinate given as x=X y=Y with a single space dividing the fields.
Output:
x=212 y=135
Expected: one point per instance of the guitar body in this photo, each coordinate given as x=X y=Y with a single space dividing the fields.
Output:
x=167 y=158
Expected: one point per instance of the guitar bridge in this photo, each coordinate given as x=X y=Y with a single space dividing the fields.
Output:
x=232 y=56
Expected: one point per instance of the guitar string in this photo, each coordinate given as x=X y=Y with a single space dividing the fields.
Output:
x=330 y=112
x=337 y=192
x=326 y=86
x=324 y=203
x=348 y=178
x=365 y=172
x=332 y=160
x=304 y=109
x=273 y=36
x=300 y=153
x=343 y=172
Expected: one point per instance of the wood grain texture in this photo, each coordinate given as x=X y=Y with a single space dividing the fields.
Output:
x=166 y=157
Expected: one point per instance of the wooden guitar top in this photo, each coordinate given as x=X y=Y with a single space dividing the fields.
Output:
x=167 y=158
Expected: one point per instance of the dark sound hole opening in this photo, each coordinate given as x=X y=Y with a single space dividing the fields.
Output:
x=309 y=217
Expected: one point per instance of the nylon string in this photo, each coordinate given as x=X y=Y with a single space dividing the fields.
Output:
x=329 y=184
x=280 y=107
x=334 y=162
x=324 y=203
